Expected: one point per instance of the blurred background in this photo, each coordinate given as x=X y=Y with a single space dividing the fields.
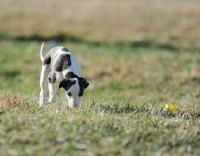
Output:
x=166 y=22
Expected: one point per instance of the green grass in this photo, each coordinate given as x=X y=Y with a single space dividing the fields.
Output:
x=137 y=57
x=29 y=129
x=122 y=110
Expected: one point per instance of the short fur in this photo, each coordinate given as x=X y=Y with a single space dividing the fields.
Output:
x=61 y=66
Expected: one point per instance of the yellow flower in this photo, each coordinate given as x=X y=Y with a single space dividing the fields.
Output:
x=170 y=107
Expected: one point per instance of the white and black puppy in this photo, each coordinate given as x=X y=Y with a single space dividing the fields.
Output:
x=61 y=66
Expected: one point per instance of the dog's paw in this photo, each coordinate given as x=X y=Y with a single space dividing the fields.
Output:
x=52 y=99
x=42 y=102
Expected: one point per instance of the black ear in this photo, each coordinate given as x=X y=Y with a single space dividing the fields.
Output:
x=84 y=82
x=64 y=83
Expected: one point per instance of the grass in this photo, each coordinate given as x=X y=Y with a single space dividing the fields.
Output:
x=121 y=113
x=143 y=56
x=96 y=128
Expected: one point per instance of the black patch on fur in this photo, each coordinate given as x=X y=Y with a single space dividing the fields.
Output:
x=52 y=77
x=65 y=49
x=51 y=53
x=84 y=82
x=47 y=59
x=63 y=62
x=66 y=84
x=83 y=85
x=81 y=88
x=70 y=75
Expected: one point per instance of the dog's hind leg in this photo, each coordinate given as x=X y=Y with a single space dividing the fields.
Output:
x=43 y=78
x=51 y=85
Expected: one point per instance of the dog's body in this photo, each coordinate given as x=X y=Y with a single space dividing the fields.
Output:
x=61 y=66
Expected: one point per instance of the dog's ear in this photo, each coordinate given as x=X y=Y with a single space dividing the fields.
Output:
x=84 y=82
x=64 y=83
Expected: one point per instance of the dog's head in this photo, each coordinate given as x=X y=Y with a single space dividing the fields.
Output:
x=74 y=88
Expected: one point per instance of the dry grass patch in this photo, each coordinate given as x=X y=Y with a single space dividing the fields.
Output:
x=13 y=100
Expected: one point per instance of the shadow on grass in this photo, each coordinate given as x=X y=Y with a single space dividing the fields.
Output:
x=40 y=38
x=9 y=73
x=117 y=109
x=61 y=37
x=123 y=109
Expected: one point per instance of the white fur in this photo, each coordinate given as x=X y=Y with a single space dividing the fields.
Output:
x=73 y=100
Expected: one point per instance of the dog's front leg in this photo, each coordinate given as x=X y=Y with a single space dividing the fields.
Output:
x=52 y=93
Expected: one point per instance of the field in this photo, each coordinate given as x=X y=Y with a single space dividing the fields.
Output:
x=137 y=57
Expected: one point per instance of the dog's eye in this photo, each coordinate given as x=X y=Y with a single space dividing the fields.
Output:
x=69 y=94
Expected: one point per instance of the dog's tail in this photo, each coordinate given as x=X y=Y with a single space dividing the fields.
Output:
x=41 y=52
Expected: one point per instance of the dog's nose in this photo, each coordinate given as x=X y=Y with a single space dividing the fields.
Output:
x=73 y=105
x=76 y=105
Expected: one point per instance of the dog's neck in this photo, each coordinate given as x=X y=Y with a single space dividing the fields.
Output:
x=71 y=75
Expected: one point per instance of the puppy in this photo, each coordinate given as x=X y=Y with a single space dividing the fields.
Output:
x=61 y=66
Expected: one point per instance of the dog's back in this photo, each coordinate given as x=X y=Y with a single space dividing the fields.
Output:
x=60 y=60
